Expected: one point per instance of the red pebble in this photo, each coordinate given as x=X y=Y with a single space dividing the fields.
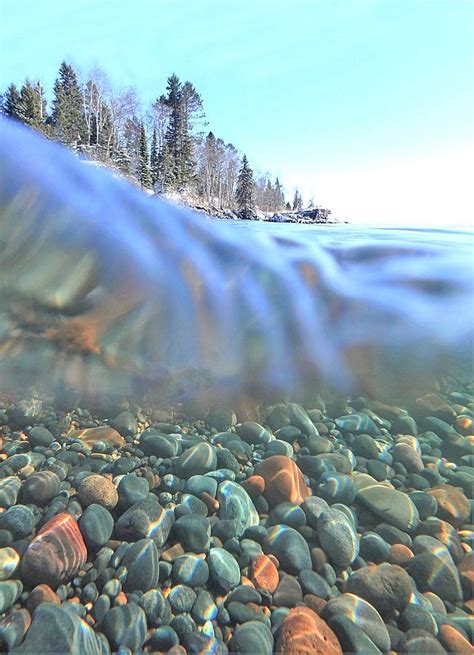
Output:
x=284 y=481
x=56 y=554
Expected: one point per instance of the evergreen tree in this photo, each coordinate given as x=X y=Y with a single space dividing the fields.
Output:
x=279 y=195
x=144 y=165
x=68 y=115
x=288 y=206
x=244 y=192
x=183 y=101
x=121 y=159
x=154 y=158
x=33 y=104
x=175 y=128
x=297 y=201
x=12 y=104
x=165 y=179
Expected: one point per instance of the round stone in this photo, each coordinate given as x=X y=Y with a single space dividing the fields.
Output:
x=453 y=506
x=141 y=562
x=159 y=445
x=41 y=594
x=10 y=590
x=390 y=505
x=146 y=519
x=9 y=560
x=197 y=460
x=125 y=626
x=373 y=548
x=18 y=520
x=13 y=628
x=193 y=532
x=9 y=489
x=132 y=489
x=39 y=436
x=304 y=633
x=453 y=641
x=357 y=423
x=278 y=447
x=156 y=607
x=190 y=570
x=365 y=446
x=385 y=587
x=181 y=598
x=235 y=503
x=337 y=537
x=125 y=423
x=289 y=547
x=204 y=609
x=254 y=433
x=56 y=554
x=97 y=490
x=25 y=412
x=264 y=573
x=96 y=525
x=351 y=638
x=57 y=629
x=363 y=614
x=431 y=573
x=250 y=638
x=254 y=485
x=313 y=507
x=415 y=642
x=337 y=488
x=416 y=617
x=288 y=514
x=284 y=481
x=221 y=418
x=39 y=488
x=315 y=584
x=163 y=639
x=223 y=568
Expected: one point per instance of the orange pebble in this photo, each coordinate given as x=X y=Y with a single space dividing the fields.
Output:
x=264 y=573
x=120 y=599
x=400 y=554
x=254 y=485
x=453 y=641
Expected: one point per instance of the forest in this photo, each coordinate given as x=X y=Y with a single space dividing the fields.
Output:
x=165 y=147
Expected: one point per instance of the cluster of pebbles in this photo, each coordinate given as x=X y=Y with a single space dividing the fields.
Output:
x=340 y=527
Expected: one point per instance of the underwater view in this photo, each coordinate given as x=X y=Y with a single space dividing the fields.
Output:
x=239 y=438
x=236 y=406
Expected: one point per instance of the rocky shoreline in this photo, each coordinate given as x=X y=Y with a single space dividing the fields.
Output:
x=311 y=216
x=344 y=526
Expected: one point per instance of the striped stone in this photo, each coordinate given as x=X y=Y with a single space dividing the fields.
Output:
x=56 y=554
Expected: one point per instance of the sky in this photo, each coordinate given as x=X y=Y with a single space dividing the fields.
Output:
x=366 y=105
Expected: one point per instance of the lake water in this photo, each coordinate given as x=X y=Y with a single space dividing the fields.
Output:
x=280 y=412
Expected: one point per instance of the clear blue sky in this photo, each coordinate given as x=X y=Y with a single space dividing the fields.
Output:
x=366 y=104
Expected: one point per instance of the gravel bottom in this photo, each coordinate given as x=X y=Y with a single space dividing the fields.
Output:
x=342 y=526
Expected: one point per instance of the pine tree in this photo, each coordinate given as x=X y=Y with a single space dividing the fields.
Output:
x=154 y=158
x=68 y=115
x=165 y=180
x=33 y=104
x=174 y=131
x=12 y=104
x=184 y=102
x=144 y=165
x=297 y=201
x=244 y=192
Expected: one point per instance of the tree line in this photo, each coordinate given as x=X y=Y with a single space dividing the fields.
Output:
x=165 y=148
